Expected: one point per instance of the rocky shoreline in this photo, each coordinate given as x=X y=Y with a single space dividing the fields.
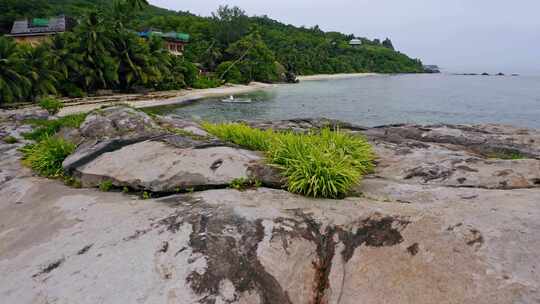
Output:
x=449 y=216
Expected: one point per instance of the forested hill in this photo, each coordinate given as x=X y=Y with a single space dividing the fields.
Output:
x=301 y=50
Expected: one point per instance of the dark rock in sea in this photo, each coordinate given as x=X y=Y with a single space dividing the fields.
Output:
x=485 y=74
x=432 y=69
x=500 y=74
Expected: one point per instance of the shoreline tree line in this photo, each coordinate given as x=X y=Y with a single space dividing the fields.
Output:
x=104 y=52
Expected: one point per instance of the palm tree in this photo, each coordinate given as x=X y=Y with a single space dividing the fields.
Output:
x=98 y=69
x=41 y=63
x=13 y=84
x=138 y=4
x=136 y=64
x=67 y=60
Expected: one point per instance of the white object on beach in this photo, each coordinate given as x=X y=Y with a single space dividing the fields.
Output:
x=231 y=99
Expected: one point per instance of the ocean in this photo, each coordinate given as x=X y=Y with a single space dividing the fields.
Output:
x=386 y=99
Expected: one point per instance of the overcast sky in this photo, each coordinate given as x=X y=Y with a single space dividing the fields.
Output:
x=458 y=35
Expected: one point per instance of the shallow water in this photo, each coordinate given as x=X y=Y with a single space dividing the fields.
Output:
x=379 y=100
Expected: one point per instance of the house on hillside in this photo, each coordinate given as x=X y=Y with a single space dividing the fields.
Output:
x=355 y=42
x=174 y=41
x=35 y=31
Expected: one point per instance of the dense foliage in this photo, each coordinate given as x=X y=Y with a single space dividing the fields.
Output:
x=323 y=164
x=104 y=52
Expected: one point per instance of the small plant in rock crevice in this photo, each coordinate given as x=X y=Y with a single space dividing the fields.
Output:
x=105 y=185
x=243 y=183
x=146 y=195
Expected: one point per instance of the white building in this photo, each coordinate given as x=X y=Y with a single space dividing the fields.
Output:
x=355 y=42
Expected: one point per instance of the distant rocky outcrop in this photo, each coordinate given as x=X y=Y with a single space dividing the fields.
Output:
x=450 y=215
x=431 y=69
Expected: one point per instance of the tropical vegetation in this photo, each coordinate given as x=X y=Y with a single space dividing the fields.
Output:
x=104 y=51
x=326 y=163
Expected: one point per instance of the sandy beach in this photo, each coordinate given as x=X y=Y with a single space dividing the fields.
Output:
x=334 y=76
x=160 y=98
x=87 y=104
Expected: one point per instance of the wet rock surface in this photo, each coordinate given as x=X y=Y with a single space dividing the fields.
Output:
x=450 y=216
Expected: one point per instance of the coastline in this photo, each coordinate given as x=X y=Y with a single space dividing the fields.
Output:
x=335 y=76
x=179 y=97
x=161 y=98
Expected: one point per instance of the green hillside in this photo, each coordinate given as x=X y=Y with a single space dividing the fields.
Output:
x=105 y=53
x=305 y=50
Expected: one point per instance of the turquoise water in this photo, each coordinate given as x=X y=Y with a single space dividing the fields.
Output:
x=379 y=100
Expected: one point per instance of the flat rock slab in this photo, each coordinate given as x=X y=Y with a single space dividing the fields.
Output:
x=159 y=167
x=440 y=165
x=267 y=246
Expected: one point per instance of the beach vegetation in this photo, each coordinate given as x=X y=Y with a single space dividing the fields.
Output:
x=46 y=156
x=44 y=128
x=322 y=163
x=103 y=52
x=52 y=105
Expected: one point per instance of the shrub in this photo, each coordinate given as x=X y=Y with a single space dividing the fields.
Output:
x=229 y=72
x=52 y=105
x=105 y=185
x=206 y=82
x=46 y=156
x=48 y=128
x=323 y=164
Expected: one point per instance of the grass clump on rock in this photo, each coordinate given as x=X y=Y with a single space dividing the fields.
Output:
x=46 y=156
x=47 y=128
x=324 y=163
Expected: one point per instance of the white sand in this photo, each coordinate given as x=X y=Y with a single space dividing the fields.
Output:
x=334 y=76
x=158 y=99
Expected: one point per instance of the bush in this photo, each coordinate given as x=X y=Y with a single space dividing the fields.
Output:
x=324 y=164
x=206 y=82
x=48 y=128
x=46 y=156
x=229 y=73
x=52 y=105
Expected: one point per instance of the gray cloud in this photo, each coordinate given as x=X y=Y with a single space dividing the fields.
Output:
x=459 y=35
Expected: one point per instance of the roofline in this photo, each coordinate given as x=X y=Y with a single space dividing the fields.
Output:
x=34 y=34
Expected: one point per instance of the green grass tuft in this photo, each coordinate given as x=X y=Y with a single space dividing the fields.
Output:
x=48 y=128
x=46 y=156
x=242 y=135
x=318 y=164
x=105 y=186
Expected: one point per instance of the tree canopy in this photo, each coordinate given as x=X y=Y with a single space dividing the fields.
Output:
x=104 y=52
